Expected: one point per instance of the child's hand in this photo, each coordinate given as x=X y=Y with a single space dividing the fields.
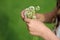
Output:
x=40 y=17
x=36 y=27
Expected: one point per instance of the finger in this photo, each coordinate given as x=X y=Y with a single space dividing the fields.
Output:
x=28 y=24
x=22 y=14
x=27 y=20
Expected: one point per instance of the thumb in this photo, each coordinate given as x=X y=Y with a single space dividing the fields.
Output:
x=22 y=14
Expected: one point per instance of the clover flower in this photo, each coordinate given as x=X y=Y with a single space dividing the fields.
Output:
x=30 y=12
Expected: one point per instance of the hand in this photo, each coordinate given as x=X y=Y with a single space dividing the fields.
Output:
x=36 y=27
x=34 y=24
x=40 y=17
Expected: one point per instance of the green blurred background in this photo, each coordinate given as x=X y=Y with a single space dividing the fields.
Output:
x=12 y=27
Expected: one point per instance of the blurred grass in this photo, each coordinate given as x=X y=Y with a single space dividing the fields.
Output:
x=12 y=27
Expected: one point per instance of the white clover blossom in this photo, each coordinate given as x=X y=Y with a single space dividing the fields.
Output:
x=32 y=8
x=34 y=17
x=26 y=12
x=30 y=12
x=29 y=15
x=37 y=8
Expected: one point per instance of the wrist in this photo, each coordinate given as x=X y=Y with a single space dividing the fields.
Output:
x=49 y=35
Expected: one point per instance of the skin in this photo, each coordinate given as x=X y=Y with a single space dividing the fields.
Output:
x=38 y=28
x=47 y=17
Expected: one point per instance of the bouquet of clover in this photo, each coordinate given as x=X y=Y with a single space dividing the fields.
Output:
x=31 y=11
